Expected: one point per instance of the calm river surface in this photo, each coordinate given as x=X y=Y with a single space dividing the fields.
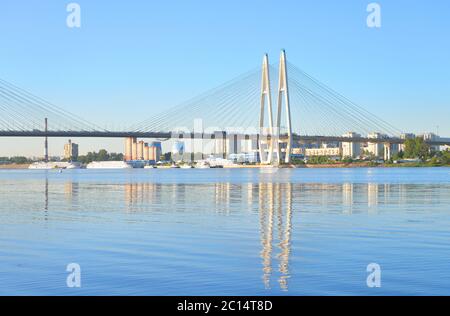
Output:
x=225 y=232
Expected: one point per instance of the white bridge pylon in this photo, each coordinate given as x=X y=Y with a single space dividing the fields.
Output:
x=269 y=140
x=264 y=143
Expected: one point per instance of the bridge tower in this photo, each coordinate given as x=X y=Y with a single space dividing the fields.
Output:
x=265 y=142
x=283 y=89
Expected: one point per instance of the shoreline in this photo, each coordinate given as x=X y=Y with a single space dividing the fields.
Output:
x=306 y=166
x=15 y=166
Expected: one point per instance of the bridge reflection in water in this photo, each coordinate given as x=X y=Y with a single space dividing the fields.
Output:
x=273 y=204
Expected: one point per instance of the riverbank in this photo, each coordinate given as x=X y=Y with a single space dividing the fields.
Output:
x=347 y=165
x=338 y=165
x=313 y=166
x=371 y=165
x=15 y=166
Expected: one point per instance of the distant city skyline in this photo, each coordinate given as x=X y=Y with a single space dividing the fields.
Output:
x=129 y=61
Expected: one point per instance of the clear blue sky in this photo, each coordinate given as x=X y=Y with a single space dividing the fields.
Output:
x=150 y=55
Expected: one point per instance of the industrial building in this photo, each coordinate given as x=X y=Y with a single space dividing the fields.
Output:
x=71 y=151
x=141 y=151
x=155 y=151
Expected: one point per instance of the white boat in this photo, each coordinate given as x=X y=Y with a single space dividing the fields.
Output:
x=55 y=165
x=202 y=165
x=149 y=167
x=109 y=165
x=73 y=165
x=186 y=166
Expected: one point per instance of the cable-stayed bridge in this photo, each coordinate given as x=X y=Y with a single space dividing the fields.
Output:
x=299 y=108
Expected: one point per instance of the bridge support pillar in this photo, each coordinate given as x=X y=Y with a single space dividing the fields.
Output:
x=387 y=151
x=283 y=88
x=264 y=144
x=390 y=150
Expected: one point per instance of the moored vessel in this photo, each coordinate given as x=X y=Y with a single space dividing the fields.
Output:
x=55 y=165
x=202 y=165
x=109 y=165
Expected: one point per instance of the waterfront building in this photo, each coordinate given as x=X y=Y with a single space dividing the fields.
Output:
x=249 y=145
x=244 y=157
x=333 y=152
x=431 y=137
x=377 y=149
x=178 y=147
x=298 y=152
x=330 y=145
x=220 y=145
x=351 y=149
x=155 y=151
x=233 y=144
x=71 y=151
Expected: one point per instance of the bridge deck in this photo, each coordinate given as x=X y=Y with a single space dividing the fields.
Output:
x=168 y=135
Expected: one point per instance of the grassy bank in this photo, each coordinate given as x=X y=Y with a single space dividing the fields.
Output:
x=373 y=165
x=414 y=165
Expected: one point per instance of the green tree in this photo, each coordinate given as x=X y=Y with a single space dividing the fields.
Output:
x=19 y=160
x=410 y=148
x=347 y=159
x=297 y=161
x=416 y=148
x=102 y=155
x=319 y=160
x=116 y=156
x=398 y=156
x=423 y=150
x=445 y=157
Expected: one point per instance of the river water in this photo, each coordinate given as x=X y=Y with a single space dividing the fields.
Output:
x=226 y=231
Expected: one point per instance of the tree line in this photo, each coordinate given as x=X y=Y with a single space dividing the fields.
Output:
x=15 y=160
x=416 y=148
x=101 y=155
